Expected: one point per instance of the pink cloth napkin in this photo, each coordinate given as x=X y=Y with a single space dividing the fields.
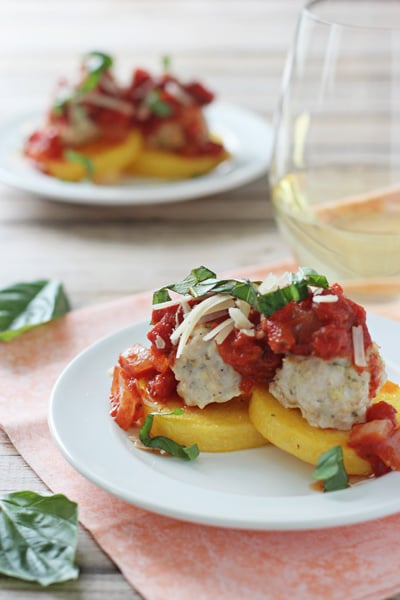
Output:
x=164 y=558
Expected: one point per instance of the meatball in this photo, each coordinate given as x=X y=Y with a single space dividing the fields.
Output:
x=203 y=377
x=329 y=394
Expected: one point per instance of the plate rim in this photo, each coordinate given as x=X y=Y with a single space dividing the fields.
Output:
x=336 y=508
x=14 y=173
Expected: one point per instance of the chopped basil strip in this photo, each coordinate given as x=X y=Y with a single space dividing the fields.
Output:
x=157 y=105
x=163 y=443
x=81 y=159
x=38 y=537
x=202 y=281
x=96 y=63
x=273 y=301
x=27 y=305
x=330 y=470
x=186 y=286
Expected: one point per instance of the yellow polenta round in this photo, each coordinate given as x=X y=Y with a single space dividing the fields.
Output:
x=216 y=428
x=109 y=161
x=170 y=165
x=288 y=430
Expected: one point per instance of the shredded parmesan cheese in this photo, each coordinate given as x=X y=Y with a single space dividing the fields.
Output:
x=270 y=284
x=358 y=346
x=217 y=329
x=325 y=299
x=207 y=306
x=239 y=318
x=109 y=102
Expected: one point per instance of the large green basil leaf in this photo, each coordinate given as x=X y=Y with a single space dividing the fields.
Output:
x=26 y=305
x=38 y=537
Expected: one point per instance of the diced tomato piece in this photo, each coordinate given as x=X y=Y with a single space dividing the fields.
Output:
x=389 y=450
x=44 y=145
x=162 y=386
x=140 y=76
x=199 y=93
x=126 y=403
x=137 y=361
x=382 y=410
x=367 y=438
x=280 y=336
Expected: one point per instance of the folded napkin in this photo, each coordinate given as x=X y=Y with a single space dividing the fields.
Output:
x=164 y=558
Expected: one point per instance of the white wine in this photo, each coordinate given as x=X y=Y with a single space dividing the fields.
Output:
x=333 y=228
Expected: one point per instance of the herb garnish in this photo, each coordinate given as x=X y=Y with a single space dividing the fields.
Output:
x=157 y=106
x=26 y=305
x=38 y=537
x=95 y=64
x=163 y=443
x=330 y=470
x=202 y=281
x=80 y=159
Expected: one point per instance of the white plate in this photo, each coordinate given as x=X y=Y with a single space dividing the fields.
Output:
x=253 y=489
x=245 y=134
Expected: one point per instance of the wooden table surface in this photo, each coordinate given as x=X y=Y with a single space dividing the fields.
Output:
x=238 y=48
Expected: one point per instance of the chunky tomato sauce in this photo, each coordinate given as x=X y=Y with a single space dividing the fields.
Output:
x=304 y=328
x=148 y=103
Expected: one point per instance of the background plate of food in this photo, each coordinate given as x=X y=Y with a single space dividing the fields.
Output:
x=246 y=136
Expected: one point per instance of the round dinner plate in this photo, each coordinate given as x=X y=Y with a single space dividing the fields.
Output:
x=246 y=135
x=260 y=489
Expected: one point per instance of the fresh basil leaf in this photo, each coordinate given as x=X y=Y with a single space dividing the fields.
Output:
x=38 y=537
x=157 y=105
x=186 y=286
x=161 y=296
x=330 y=470
x=311 y=277
x=80 y=159
x=166 y=444
x=26 y=305
x=95 y=63
x=273 y=301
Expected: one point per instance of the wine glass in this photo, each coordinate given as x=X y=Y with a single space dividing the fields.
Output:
x=335 y=170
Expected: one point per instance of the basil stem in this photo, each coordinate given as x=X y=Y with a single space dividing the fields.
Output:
x=330 y=470
x=163 y=443
x=166 y=63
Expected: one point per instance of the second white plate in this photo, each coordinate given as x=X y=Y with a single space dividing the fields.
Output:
x=245 y=134
x=253 y=489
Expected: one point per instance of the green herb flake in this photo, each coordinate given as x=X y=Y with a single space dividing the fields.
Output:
x=80 y=159
x=95 y=63
x=27 y=305
x=330 y=470
x=163 y=443
x=38 y=537
x=157 y=105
